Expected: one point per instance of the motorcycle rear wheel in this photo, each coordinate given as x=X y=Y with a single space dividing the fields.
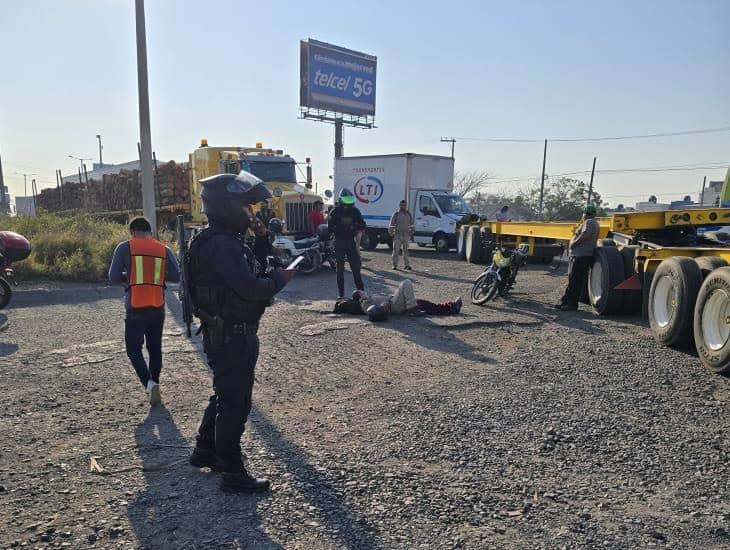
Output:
x=485 y=288
x=5 y=293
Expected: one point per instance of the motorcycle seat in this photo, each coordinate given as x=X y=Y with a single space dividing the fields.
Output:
x=305 y=243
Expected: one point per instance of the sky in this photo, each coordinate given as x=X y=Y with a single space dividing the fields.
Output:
x=228 y=70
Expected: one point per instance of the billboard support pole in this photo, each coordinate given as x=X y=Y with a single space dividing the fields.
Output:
x=339 y=130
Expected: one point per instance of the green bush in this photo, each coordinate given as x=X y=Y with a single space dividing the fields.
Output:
x=74 y=248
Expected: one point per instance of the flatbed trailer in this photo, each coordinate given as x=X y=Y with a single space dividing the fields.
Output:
x=662 y=264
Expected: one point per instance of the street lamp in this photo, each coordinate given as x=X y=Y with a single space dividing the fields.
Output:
x=98 y=136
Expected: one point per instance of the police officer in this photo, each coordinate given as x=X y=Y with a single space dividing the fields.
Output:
x=229 y=299
x=346 y=221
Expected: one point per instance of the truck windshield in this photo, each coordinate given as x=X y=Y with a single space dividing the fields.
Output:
x=271 y=171
x=452 y=204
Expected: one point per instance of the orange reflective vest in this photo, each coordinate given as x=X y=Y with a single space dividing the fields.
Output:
x=148 y=259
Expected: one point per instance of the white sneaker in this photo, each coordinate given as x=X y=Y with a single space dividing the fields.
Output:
x=153 y=390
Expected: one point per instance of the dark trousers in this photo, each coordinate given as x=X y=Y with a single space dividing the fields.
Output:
x=577 y=274
x=431 y=308
x=347 y=249
x=144 y=326
x=224 y=420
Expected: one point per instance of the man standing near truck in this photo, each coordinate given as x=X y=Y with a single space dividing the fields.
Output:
x=582 y=248
x=346 y=222
x=144 y=264
x=401 y=230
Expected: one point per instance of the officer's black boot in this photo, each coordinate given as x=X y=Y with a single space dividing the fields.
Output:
x=238 y=480
x=203 y=457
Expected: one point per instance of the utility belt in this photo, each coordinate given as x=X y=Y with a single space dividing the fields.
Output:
x=217 y=332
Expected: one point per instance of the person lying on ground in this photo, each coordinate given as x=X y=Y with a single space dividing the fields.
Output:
x=404 y=302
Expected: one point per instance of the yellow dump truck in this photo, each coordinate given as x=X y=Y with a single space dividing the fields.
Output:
x=671 y=266
x=292 y=201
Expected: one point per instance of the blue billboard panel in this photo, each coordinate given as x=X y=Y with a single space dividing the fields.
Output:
x=337 y=79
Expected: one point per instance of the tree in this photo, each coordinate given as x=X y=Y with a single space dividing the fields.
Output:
x=564 y=199
x=468 y=183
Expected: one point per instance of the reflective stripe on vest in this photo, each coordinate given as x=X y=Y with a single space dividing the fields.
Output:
x=148 y=258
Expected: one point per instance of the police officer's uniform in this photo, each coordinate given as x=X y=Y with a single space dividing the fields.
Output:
x=229 y=298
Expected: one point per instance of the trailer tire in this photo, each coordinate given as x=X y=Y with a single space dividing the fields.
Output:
x=606 y=272
x=461 y=242
x=672 y=299
x=473 y=245
x=711 y=328
x=632 y=298
x=708 y=264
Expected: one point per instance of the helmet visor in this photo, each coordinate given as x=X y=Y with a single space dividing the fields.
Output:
x=347 y=199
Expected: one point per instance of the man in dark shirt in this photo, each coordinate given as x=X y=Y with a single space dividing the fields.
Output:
x=346 y=222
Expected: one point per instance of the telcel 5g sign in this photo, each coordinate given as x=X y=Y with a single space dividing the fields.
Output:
x=337 y=79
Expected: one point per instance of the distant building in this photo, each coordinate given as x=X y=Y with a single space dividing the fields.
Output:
x=25 y=206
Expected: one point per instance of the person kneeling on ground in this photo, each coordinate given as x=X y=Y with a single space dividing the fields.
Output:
x=402 y=302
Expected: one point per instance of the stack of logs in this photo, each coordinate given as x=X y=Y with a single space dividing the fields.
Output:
x=119 y=192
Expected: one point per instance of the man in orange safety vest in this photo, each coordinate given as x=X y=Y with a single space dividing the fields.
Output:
x=144 y=265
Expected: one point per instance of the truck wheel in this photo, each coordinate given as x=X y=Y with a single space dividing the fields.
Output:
x=712 y=321
x=672 y=299
x=632 y=298
x=368 y=241
x=441 y=242
x=473 y=245
x=461 y=242
x=708 y=264
x=5 y=293
x=606 y=272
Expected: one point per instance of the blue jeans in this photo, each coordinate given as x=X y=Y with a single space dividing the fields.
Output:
x=144 y=326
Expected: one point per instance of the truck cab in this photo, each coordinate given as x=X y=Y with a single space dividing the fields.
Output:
x=291 y=201
x=436 y=214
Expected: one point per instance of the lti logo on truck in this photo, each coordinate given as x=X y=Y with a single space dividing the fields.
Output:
x=368 y=189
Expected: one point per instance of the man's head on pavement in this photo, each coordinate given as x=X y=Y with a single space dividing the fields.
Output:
x=140 y=227
x=403 y=206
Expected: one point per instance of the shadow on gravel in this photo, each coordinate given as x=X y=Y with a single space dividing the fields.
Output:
x=176 y=510
x=351 y=530
x=574 y=319
x=423 y=331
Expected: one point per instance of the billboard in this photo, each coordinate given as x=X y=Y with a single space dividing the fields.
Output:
x=337 y=79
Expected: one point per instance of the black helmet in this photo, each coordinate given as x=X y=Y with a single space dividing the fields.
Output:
x=377 y=313
x=346 y=197
x=276 y=227
x=224 y=197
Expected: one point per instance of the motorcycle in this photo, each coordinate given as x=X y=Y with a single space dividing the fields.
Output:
x=13 y=248
x=316 y=250
x=500 y=276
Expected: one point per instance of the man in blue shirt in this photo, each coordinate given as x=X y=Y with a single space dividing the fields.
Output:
x=143 y=265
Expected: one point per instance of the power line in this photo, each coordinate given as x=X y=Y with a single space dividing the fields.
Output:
x=721 y=129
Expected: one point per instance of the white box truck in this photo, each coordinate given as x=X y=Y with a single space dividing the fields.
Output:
x=380 y=182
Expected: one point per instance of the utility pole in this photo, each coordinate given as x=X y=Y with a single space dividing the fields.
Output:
x=98 y=136
x=452 y=141
x=148 y=187
x=590 y=185
x=702 y=192
x=3 y=198
x=542 y=180
x=81 y=166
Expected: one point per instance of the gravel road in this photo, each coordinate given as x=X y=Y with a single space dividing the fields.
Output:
x=509 y=426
